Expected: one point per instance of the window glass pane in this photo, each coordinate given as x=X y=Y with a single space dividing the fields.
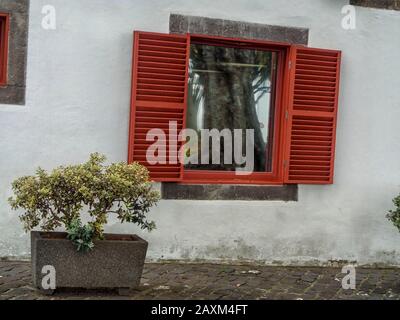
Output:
x=233 y=88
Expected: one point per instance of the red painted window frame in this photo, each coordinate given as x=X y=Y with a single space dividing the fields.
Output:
x=306 y=119
x=4 y=35
x=276 y=177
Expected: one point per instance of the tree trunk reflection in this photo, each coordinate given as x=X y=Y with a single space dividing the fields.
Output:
x=228 y=88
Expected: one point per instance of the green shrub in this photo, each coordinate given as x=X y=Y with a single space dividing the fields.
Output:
x=58 y=198
x=394 y=215
x=80 y=235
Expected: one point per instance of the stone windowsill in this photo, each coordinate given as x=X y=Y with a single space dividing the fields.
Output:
x=177 y=191
x=378 y=4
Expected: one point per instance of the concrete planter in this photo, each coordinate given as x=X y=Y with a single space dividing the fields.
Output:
x=116 y=262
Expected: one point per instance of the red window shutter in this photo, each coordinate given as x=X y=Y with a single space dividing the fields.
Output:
x=159 y=90
x=311 y=115
x=4 y=33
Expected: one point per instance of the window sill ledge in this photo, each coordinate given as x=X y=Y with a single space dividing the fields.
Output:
x=377 y=4
x=177 y=191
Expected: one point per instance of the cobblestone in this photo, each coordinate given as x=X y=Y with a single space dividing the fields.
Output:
x=173 y=281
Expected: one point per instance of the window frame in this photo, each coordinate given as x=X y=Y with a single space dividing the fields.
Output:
x=309 y=116
x=276 y=176
x=4 y=44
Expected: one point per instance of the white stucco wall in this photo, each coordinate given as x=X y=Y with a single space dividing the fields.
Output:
x=78 y=92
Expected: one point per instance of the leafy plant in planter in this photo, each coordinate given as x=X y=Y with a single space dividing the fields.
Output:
x=394 y=215
x=61 y=197
x=51 y=200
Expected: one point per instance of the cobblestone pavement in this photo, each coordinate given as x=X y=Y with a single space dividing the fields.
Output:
x=208 y=281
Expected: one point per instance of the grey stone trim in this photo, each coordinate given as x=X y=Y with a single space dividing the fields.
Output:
x=379 y=4
x=14 y=92
x=178 y=191
x=181 y=24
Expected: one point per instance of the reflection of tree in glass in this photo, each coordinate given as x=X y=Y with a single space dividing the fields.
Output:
x=227 y=83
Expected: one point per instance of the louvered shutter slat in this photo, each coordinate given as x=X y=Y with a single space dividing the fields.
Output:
x=312 y=113
x=160 y=66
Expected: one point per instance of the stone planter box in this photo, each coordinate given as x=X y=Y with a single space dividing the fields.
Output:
x=116 y=262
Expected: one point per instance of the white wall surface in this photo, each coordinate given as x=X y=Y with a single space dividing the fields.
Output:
x=78 y=92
